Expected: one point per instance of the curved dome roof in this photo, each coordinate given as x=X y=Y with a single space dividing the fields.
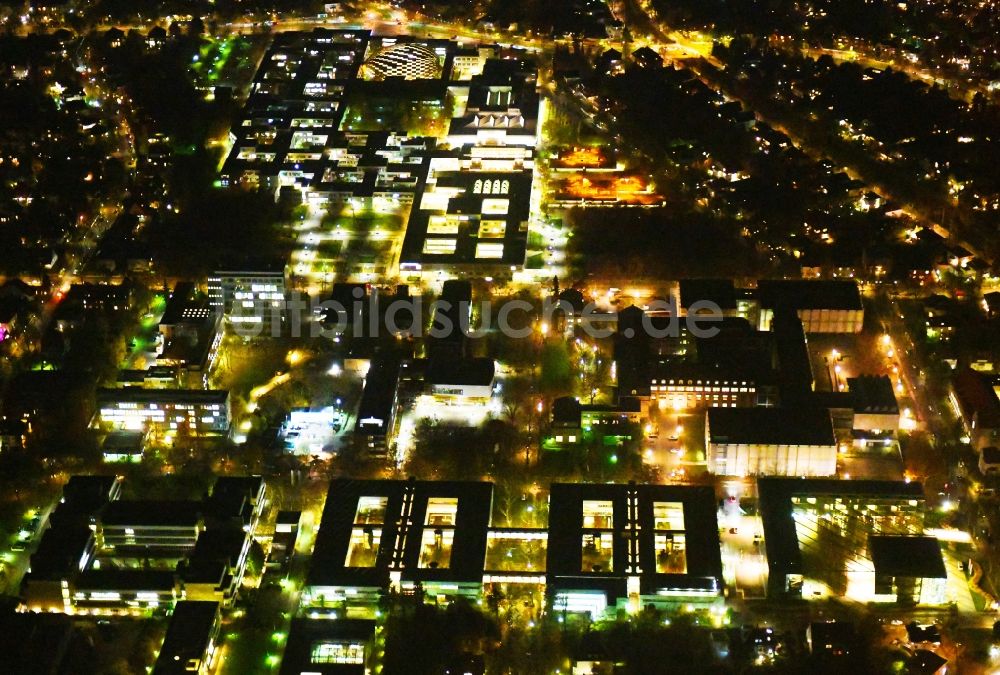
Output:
x=411 y=61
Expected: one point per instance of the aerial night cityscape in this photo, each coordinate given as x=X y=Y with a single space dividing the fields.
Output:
x=499 y=337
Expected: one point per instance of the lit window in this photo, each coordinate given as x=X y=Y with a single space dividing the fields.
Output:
x=441 y=511
x=435 y=548
x=598 y=514
x=489 y=250
x=597 y=552
x=364 y=547
x=670 y=555
x=371 y=510
x=338 y=652
x=439 y=246
x=668 y=516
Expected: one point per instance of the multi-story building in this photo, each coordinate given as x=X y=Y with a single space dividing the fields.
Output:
x=875 y=418
x=824 y=306
x=165 y=411
x=464 y=379
x=375 y=428
x=690 y=386
x=770 y=442
x=976 y=402
x=469 y=219
x=502 y=107
x=189 y=331
x=381 y=534
x=875 y=528
x=190 y=643
x=573 y=422
x=251 y=298
x=628 y=546
x=605 y=547
x=106 y=555
x=345 y=646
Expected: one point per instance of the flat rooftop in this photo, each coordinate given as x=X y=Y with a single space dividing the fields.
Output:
x=356 y=509
x=776 y=509
x=809 y=294
x=771 y=426
x=308 y=639
x=873 y=394
x=191 y=630
x=692 y=514
x=467 y=371
x=721 y=292
x=913 y=557
x=151 y=513
x=162 y=396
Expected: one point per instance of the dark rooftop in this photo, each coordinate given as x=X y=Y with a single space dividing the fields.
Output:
x=918 y=557
x=771 y=426
x=192 y=627
x=34 y=644
x=721 y=292
x=809 y=294
x=233 y=497
x=305 y=634
x=924 y=662
x=468 y=553
x=152 y=513
x=566 y=410
x=833 y=638
x=873 y=394
x=60 y=551
x=977 y=399
x=87 y=494
x=165 y=396
x=125 y=580
x=470 y=371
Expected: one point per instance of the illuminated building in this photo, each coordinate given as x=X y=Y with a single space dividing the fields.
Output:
x=190 y=643
x=470 y=379
x=691 y=386
x=378 y=534
x=189 y=330
x=858 y=539
x=875 y=413
x=573 y=421
x=251 y=298
x=734 y=368
x=324 y=646
x=976 y=403
x=605 y=546
x=106 y=555
x=123 y=446
x=824 y=306
x=770 y=442
x=502 y=107
x=374 y=430
x=165 y=410
x=289 y=116
x=628 y=546
x=604 y=189
x=469 y=220
x=83 y=300
x=408 y=60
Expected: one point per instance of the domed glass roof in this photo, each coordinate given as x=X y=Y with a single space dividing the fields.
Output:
x=407 y=60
